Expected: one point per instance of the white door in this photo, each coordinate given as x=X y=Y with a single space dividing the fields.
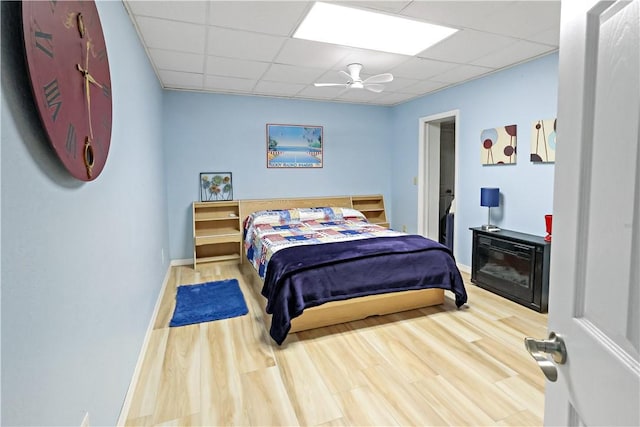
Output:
x=594 y=300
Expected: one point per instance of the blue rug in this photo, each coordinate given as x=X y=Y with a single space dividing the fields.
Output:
x=208 y=301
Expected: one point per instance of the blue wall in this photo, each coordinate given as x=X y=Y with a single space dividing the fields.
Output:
x=219 y=133
x=519 y=95
x=368 y=149
x=81 y=262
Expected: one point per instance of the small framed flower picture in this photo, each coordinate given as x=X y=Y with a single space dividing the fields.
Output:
x=215 y=186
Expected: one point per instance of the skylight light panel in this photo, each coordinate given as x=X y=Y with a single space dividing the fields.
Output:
x=330 y=23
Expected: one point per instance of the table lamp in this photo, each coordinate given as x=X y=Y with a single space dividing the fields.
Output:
x=490 y=197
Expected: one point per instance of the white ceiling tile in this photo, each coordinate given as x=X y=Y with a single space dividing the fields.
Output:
x=172 y=35
x=466 y=45
x=513 y=54
x=550 y=36
x=424 y=86
x=291 y=74
x=394 y=98
x=521 y=18
x=273 y=17
x=359 y=95
x=418 y=68
x=458 y=14
x=186 y=11
x=220 y=66
x=399 y=83
x=269 y=88
x=394 y=6
x=246 y=47
x=177 y=61
x=229 y=83
x=320 y=92
x=373 y=62
x=178 y=79
x=311 y=54
x=243 y=45
x=461 y=74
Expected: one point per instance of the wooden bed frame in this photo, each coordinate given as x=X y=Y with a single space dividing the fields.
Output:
x=336 y=312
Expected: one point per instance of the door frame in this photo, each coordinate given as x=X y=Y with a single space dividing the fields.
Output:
x=429 y=171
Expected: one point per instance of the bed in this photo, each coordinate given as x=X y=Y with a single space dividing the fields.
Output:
x=318 y=262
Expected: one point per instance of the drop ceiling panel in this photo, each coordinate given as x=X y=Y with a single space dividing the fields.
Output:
x=270 y=88
x=172 y=35
x=386 y=6
x=274 y=17
x=178 y=79
x=292 y=74
x=513 y=54
x=419 y=68
x=246 y=47
x=242 y=44
x=177 y=61
x=394 y=98
x=457 y=14
x=521 y=19
x=461 y=74
x=230 y=67
x=186 y=11
x=311 y=54
x=465 y=46
x=229 y=84
x=423 y=86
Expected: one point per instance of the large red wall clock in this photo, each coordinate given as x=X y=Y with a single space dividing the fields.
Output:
x=69 y=71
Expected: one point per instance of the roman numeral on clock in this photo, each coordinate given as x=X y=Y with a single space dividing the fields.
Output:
x=72 y=139
x=52 y=95
x=44 y=42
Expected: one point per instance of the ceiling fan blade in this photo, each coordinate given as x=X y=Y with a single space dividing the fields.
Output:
x=330 y=84
x=346 y=74
x=374 y=87
x=380 y=78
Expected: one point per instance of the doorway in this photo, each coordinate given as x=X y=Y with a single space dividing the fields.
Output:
x=437 y=175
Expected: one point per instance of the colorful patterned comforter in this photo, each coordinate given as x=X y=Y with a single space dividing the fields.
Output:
x=356 y=258
x=266 y=232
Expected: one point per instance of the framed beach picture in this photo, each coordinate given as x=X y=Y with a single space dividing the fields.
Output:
x=294 y=146
x=215 y=186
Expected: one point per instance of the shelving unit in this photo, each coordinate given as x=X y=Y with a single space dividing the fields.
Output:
x=217 y=233
x=372 y=207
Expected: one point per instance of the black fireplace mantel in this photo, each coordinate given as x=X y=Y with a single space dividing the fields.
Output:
x=512 y=264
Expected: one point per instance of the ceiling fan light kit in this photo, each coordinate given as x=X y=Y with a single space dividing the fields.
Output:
x=373 y=83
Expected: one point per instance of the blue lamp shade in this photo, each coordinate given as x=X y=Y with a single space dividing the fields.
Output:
x=490 y=197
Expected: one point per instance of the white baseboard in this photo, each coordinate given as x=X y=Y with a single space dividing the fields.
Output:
x=186 y=261
x=464 y=268
x=126 y=405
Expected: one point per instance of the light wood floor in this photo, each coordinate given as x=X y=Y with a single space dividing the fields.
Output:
x=434 y=366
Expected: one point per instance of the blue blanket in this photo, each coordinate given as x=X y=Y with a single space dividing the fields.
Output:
x=306 y=276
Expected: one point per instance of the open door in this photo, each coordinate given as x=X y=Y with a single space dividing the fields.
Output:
x=594 y=299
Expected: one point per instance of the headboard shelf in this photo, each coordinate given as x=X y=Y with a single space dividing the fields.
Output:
x=218 y=226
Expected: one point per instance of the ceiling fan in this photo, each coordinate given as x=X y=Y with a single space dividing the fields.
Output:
x=373 y=83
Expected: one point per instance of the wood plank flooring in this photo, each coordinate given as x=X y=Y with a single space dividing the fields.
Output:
x=432 y=366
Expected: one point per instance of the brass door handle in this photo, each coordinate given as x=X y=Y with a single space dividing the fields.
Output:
x=539 y=349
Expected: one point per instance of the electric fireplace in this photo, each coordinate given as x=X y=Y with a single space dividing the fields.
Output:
x=513 y=265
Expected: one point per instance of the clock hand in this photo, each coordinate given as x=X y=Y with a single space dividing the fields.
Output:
x=89 y=76
x=88 y=148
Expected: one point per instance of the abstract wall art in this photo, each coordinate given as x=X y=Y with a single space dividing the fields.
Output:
x=543 y=141
x=498 y=145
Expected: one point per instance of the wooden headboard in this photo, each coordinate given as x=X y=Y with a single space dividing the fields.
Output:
x=246 y=207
